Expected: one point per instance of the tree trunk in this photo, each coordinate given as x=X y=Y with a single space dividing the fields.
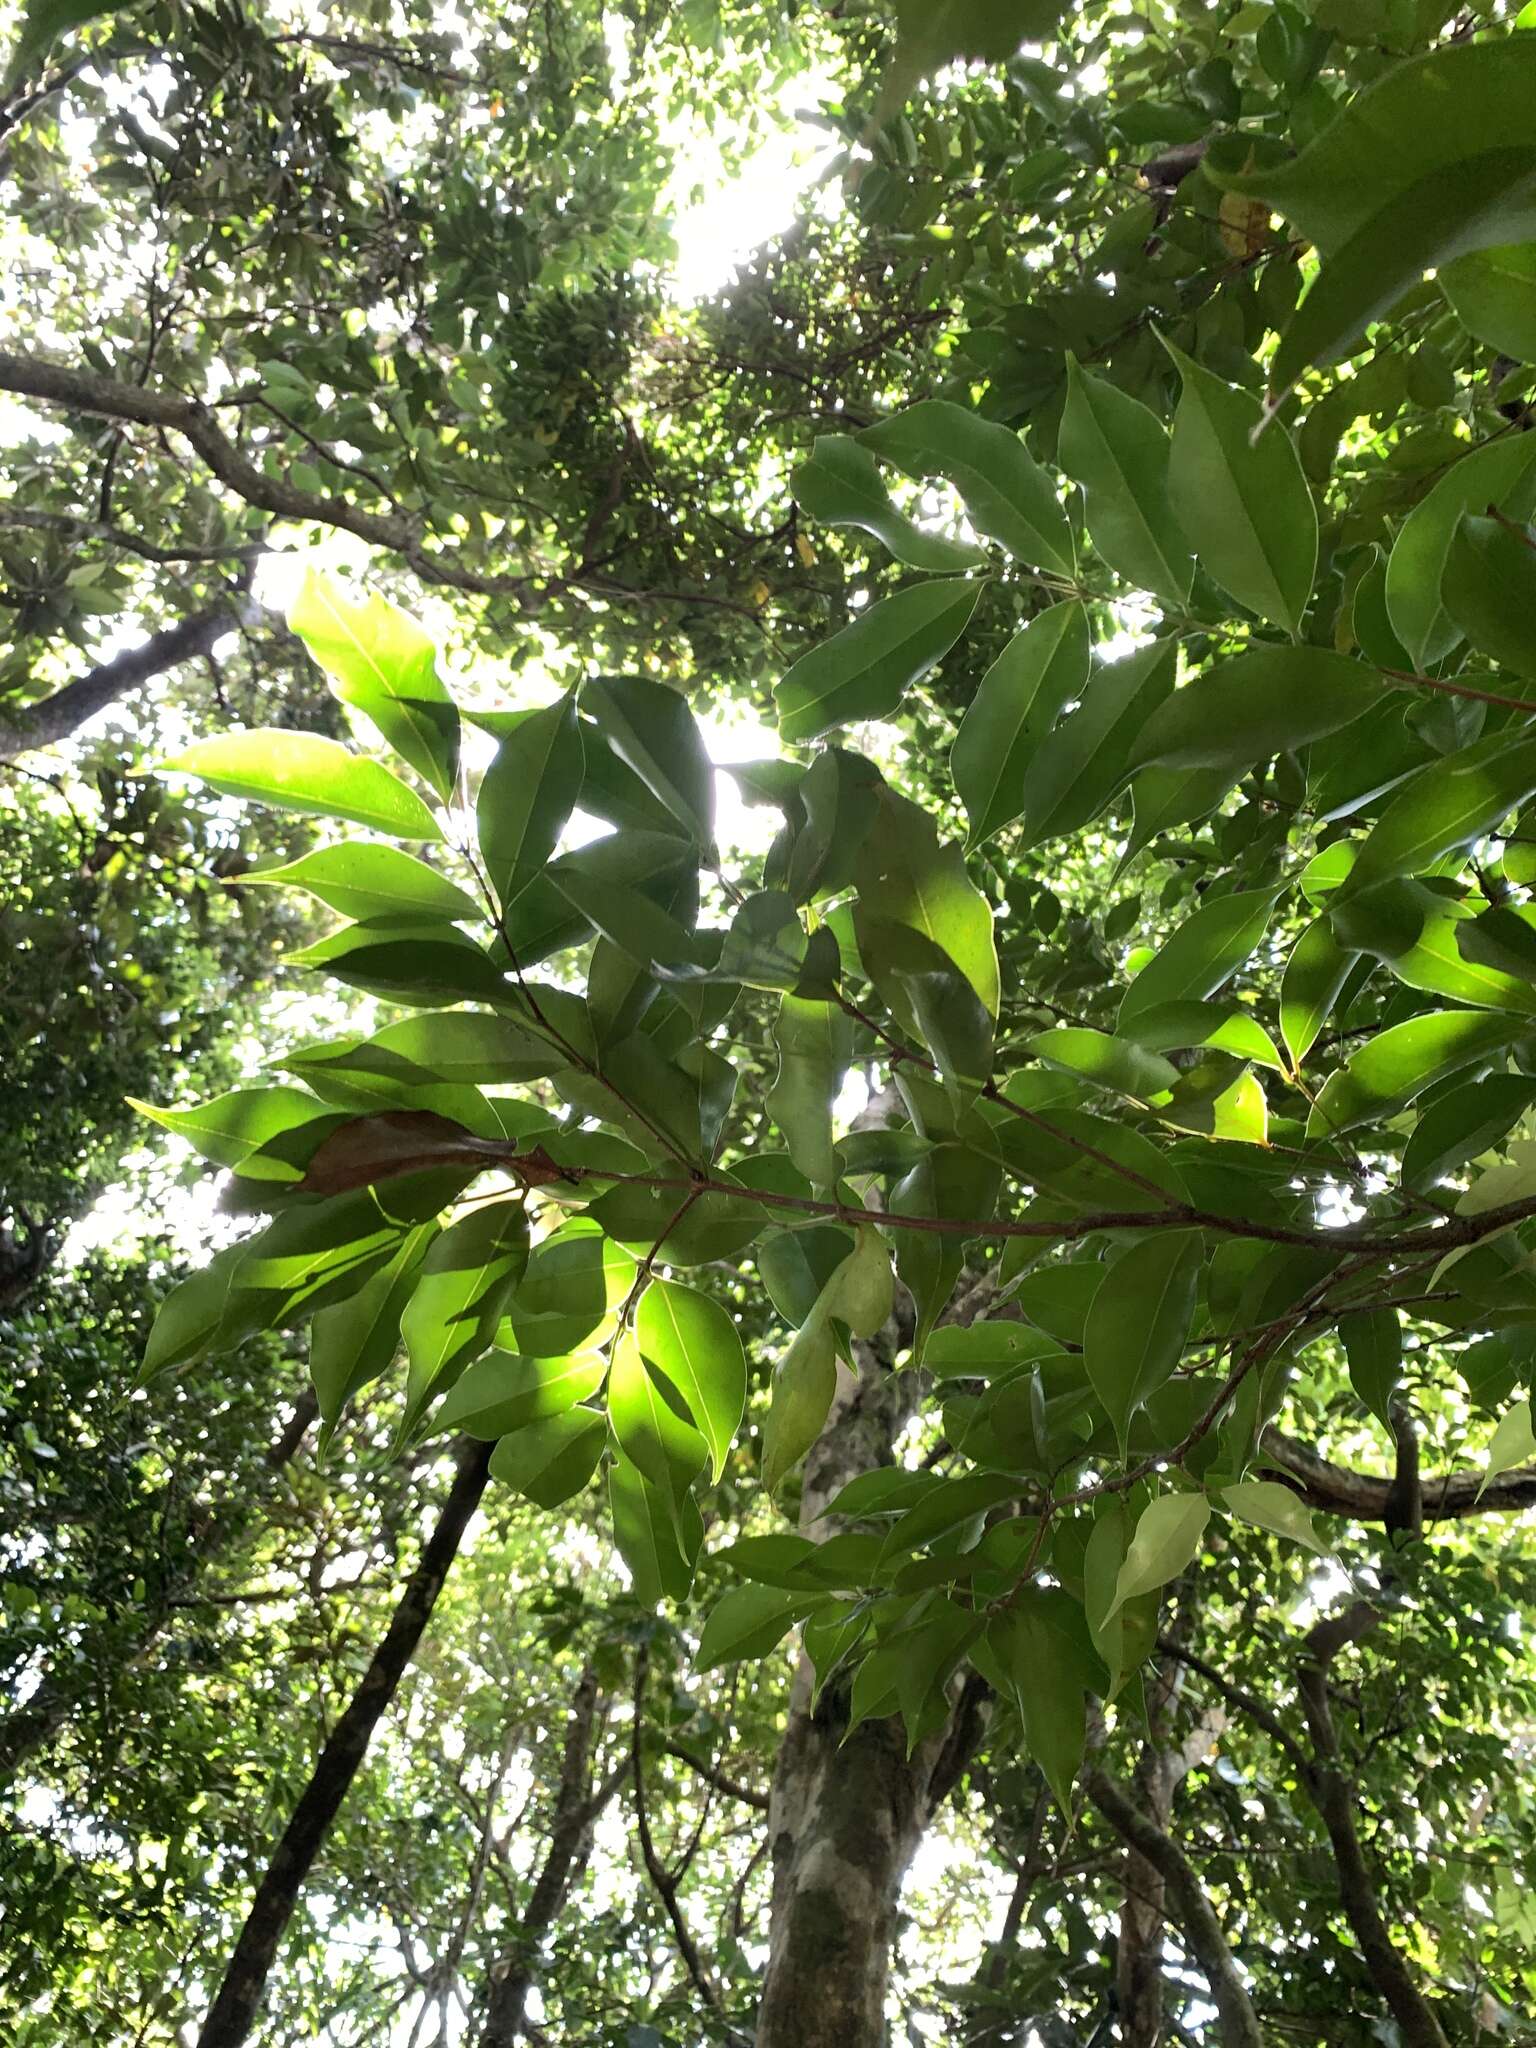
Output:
x=845 y=1817
x=234 y=2010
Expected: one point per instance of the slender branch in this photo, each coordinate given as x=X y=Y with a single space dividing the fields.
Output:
x=54 y=718
x=239 y=1997
x=1193 y=1909
x=661 y=1878
x=1333 y=1792
x=713 y=1775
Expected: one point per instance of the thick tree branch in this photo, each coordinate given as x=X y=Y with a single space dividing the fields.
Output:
x=84 y=391
x=234 y=2010
x=1333 y=1792
x=54 y=718
x=1337 y=1490
x=1192 y=1908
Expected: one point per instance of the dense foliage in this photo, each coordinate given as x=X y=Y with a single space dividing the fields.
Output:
x=1004 y=1315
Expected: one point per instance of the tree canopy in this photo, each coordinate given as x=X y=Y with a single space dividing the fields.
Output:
x=867 y=1382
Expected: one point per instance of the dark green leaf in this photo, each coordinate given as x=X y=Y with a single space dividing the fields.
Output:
x=526 y=796
x=1118 y=451
x=1041 y=669
x=864 y=671
x=841 y=485
x=1009 y=497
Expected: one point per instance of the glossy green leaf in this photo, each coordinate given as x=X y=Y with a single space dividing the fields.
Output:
x=550 y=1462
x=1514 y=1442
x=1500 y=474
x=1435 y=160
x=660 y=1544
x=951 y=1182
x=1123 y=1635
x=465 y=1280
x=814 y=1043
x=188 y=1320
x=841 y=485
x=1448 y=804
x=1458 y=1126
x=1268 y=701
x=1042 y=668
x=1107 y=1061
x=1009 y=497
x=698 y=1347
x=1139 y=1321
x=1388 y=1071
x=857 y=1295
x=652 y=730
x=1077 y=768
x=355 y=1341
x=1243 y=503
x=575 y=1282
x=1315 y=974
x=1269 y=1505
x=300 y=771
x=383 y=664
x=657 y=1439
x=749 y=1621
x=1494 y=294
x=1489 y=589
x=1373 y=1347
x=1118 y=451
x=311 y=1255
x=1169 y=1026
x=907 y=876
x=1167 y=1537
x=364 y=881
x=526 y=795
x=502 y=1392
x=427 y=964
x=864 y=671
x=715 y=1226
x=1203 y=954
x=231 y=1127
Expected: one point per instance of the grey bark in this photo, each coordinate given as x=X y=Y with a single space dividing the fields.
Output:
x=55 y=718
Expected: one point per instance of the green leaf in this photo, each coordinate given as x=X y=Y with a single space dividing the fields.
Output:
x=550 y=1462
x=1435 y=160
x=1489 y=589
x=907 y=876
x=1118 y=451
x=1514 y=1443
x=526 y=796
x=864 y=671
x=575 y=1280
x=814 y=1043
x=300 y=771
x=951 y=1182
x=1076 y=769
x=1458 y=1126
x=466 y=1046
x=427 y=964
x=1041 y=669
x=1268 y=701
x=502 y=1392
x=1046 y=1688
x=1269 y=1505
x=659 y=1545
x=698 y=1347
x=1501 y=474
x=1108 y=1062
x=1373 y=1346
x=465 y=1280
x=231 y=1127
x=353 y=1342
x=1501 y=943
x=1124 y=1635
x=1169 y=1026
x=364 y=881
x=1009 y=497
x=189 y=1318
x=1384 y=1075
x=857 y=1294
x=43 y=22
x=383 y=664
x=1203 y=954
x=1494 y=294
x=1314 y=975
x=311 y=1255
x=840 y=796
x=715 y=1226
x=1139 y=1321
x=652 y=730
x=1448 y=804
x=841 y=485
x=1167 y=1538
x=930 y=997
x=1243 y=503
x=749 y=1621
